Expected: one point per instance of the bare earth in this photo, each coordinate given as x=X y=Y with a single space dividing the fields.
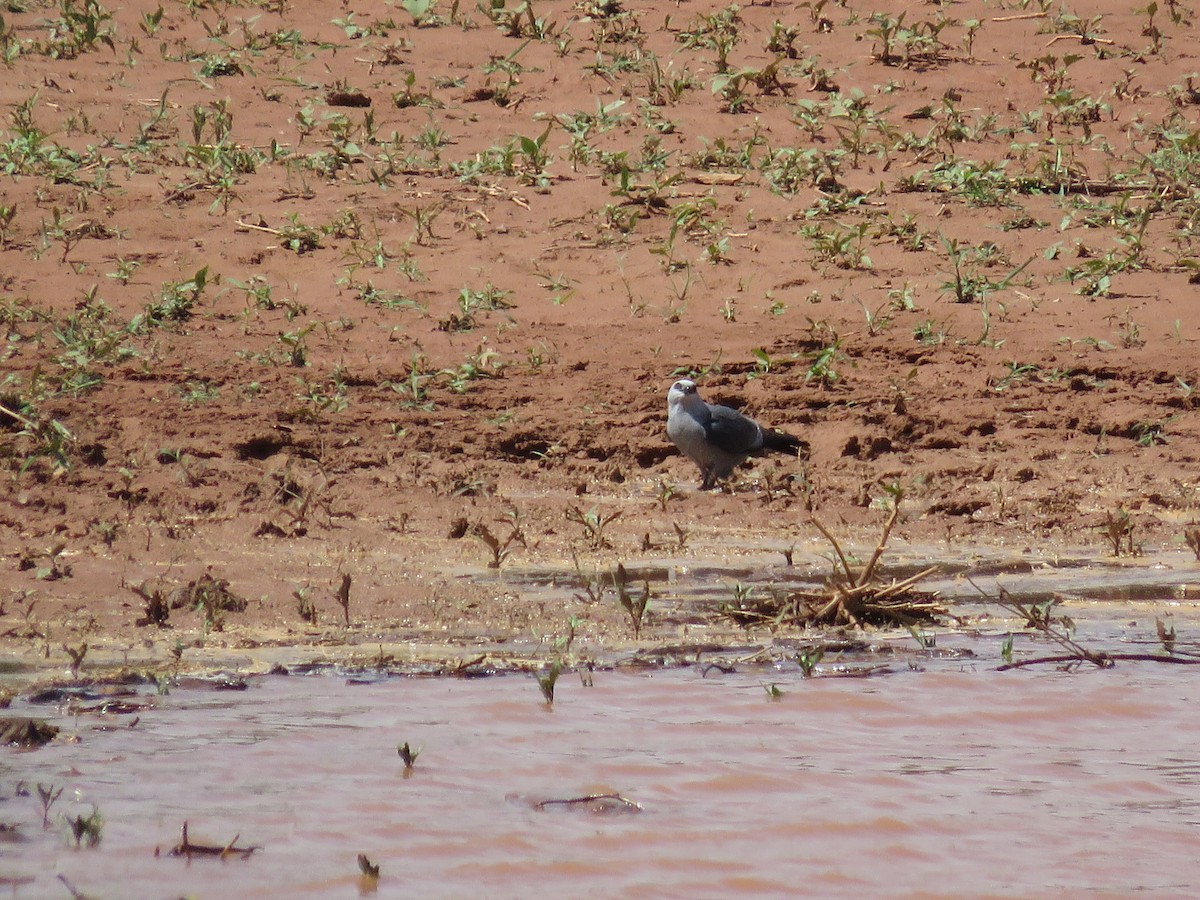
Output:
x=289 y=297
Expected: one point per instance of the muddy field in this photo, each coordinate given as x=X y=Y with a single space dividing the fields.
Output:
x=317 y=314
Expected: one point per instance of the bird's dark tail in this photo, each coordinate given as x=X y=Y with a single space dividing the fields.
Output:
x=782 y=442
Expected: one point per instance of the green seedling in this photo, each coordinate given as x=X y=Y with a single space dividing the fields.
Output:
x=593 y=523
x=420 y=10
x=56 y=568
x=563 y=642
x=825 y=362
x=808 y=658
x=305 y=607
x=157 y=608
x=77 y=655
x=80 y=27
x=930 y=332
x=899 y=44
x=342 y=596
x=1191 y=537
x=423 y=218
x=547 y=681
x=176 y=303
x=47 y=795
x=7 y=214
x=1118 y=528
x=472 y=304
x=634 y=606
x=408 y=755
x=924 y=639
x=681 y=536
x=500 y=549
x=151 y=21
x=667 y=492
x=1006 y=648
x=593 y=583
x=773 y=691
x=762 y=363
x=1166 y=635
x=368 y=870
x=967 y=284
x=87 y=828
x=10 y=43
x=842 y=245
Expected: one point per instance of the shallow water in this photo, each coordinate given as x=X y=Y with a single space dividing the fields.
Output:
x=956 y=780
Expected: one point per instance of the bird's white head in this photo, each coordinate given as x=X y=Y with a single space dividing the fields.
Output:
x=682 y=393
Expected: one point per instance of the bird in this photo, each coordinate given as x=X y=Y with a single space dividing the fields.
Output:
x=718 y=438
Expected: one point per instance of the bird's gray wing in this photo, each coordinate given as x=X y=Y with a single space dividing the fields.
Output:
x=732 y=432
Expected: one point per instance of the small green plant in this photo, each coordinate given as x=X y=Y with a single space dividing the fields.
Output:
x=808 y=658
x=298 y=237
x=594 y=523
x=634 y=606
x=420 y=10
x=342 y=596
x=414 y=388
x=930 y=332
x=548 y=680
x=825 y=364
x=369 y=872
x=563 y=642
x=1118 y=528
x=593 y=583
x=124 y=271
x=79 y=28
x=719 y=31
x=77 y=654
x=1166 y=635
x=842 y=245
x=7 y=214
x=87 y=828
x=305 y=607
x=666 y=493
x=54 y=569
x=473 y=303
x=176 y=303
x=408 y=755
x=500 y=549
x=47 y=795
x=1191 y=537
x=900 y=44
x=151 y=22
x=968 y=285
x=925 y=640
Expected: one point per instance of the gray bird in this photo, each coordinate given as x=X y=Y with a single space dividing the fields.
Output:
x=717 y=438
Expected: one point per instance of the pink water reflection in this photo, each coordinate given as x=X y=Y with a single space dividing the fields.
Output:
x=943 y=783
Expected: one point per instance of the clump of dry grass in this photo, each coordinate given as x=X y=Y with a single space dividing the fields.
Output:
x=849 y=597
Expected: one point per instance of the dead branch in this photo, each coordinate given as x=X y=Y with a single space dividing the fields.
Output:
x=848 y=598
x=1019 y=16
x=601 y=801
x=837 y=548
x=189 y=849
x=883 y=539
x=1110 y=660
